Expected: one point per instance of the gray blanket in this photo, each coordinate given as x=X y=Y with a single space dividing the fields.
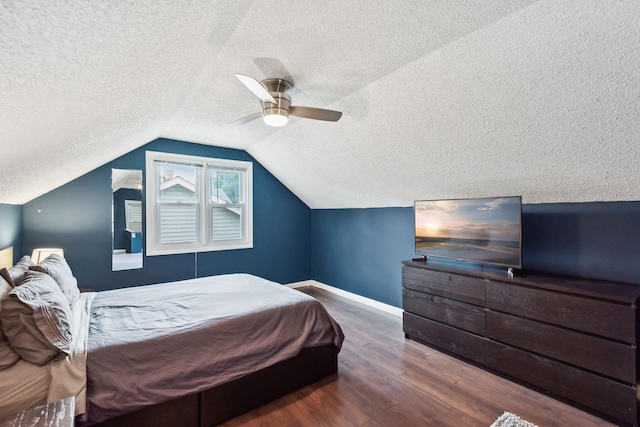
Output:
x=154 y=343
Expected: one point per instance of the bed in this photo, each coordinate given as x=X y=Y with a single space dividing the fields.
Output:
x=191 y=353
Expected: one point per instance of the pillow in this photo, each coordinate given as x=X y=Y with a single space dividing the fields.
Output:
x=56 y=266
x=16 y=274
x=36 y=317
x=8 y=357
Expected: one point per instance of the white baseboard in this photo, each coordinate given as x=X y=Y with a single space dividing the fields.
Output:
x=350 y=295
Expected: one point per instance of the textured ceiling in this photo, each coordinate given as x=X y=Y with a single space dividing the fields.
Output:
x=441 y=99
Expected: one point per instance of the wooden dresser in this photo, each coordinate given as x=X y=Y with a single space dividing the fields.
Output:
x=575 y=338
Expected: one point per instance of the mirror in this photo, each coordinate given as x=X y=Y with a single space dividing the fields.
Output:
x=126 y=219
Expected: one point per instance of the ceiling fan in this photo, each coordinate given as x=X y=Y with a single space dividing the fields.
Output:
x=276 y=104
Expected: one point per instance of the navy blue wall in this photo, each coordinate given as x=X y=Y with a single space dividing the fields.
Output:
x=596 y=240
x=360 y=250
x=77 y=217
x=11 y=229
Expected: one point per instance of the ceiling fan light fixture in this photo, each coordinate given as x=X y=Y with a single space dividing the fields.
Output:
x=275 y=116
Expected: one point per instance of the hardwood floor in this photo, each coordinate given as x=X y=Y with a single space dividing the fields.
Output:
x=386 y=380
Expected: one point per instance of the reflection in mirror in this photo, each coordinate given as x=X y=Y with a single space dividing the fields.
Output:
x=126 y=219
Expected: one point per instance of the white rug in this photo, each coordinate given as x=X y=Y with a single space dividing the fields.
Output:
x=511 y=420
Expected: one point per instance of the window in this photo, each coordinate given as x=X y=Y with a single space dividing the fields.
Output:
x=133 y=215
x=197 y=204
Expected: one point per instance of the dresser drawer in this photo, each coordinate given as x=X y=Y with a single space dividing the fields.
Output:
x=603 y=356
x=604 y=318
x=455 y=286
x=444 y=310
x=602 y=394
x=445 y=337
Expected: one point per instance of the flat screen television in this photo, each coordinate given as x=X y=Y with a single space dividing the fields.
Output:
x=483 y=230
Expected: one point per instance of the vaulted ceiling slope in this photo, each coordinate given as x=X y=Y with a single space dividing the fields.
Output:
x=441 y=99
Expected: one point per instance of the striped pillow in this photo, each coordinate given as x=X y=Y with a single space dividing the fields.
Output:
x=57 y=267
x=36 y=318
x=16 y=274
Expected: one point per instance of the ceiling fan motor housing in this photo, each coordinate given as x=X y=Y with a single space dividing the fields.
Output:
x=277 y=89
x=283 y=102
x=276 y=85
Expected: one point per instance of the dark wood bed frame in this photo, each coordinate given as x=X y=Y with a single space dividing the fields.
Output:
x=218 y=404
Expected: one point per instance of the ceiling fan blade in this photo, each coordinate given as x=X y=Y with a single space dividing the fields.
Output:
x=254 y=86
x=273 y=67
x=315 y=113
x=246 y=119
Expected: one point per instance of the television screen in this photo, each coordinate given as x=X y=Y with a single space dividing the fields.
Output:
x=486 y=230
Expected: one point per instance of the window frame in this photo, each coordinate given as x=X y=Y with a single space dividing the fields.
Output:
x=203 y=242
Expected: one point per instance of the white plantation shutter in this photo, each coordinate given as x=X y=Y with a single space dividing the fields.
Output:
x=226 y=224
x=177 y=224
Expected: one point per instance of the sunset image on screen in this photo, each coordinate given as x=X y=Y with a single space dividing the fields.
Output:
x=482 y=230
